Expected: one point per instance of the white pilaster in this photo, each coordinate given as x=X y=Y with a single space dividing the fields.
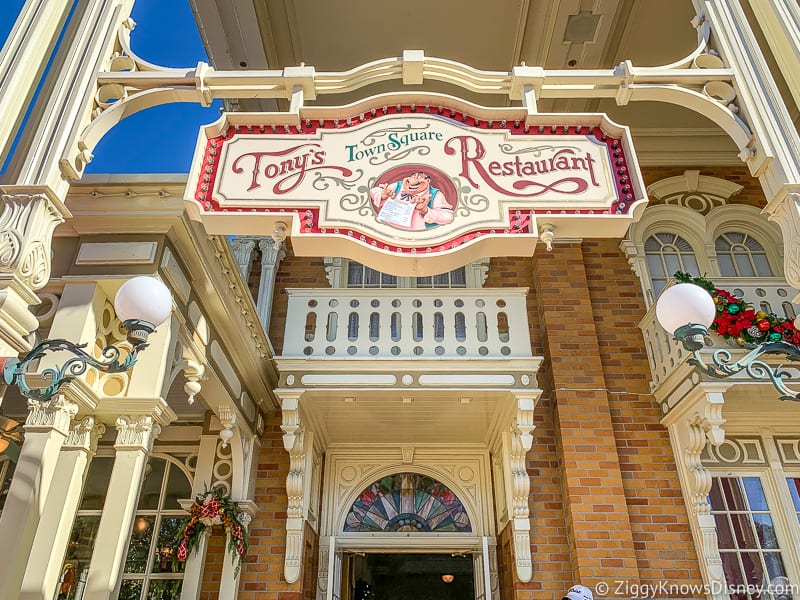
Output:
x=55 y=525
x=272 y=253
x=135 y=436
x=46 y=429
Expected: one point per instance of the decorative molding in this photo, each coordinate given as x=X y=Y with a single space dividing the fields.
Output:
x=735 y=451
x=252 y=324
x=175 y=275
x=27 y=222
x=789 y=451
x=697 y=192
x=136 y=433
x=54 y=414
x=407 y=453
x=84 y=435
x=120 y=253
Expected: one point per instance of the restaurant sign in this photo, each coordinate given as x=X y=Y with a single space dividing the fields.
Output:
x=415 y=191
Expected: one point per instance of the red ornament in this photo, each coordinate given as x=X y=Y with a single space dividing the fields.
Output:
x=763 y=325
x=183 y=550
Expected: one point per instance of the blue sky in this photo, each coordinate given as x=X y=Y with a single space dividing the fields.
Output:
x=160 y=139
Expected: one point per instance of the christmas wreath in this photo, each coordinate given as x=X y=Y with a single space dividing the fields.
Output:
x=213 y=509
x=738 y=320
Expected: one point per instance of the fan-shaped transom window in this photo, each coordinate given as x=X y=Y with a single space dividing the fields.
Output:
x=741 y=255
x=667 y=253
x=407 y=502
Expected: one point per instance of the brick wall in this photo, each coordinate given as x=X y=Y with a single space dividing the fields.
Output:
x=294 y=272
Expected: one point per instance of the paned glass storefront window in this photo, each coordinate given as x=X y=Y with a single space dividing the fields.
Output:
x=150 y=570
x=748 y=544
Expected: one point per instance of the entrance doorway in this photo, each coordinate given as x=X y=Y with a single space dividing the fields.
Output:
x=410 y=577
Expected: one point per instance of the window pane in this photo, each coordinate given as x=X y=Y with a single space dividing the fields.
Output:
x=733 y=493
x=753 y=571
x=762 y=265
x=743 y=265
x=131 y=589
x=164 y=589
x=153 y=481
x=730 y=564
x=672 y=263
x=726 y=265
x=94 y=490
x=715 y=496
x=794 y=490
x=755 y=493
x=766 y=531
x=178 y=488
x=165 y=548
x=139 y=546
x=775 y=566
x=745 y=539
x=655 y=266
x=75 y=568
x=724 y=534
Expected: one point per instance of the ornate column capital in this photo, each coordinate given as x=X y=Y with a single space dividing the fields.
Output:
x=272 y=252
x=136 y=433
x=27 y=222
x=84 y=435
x=57 y=414
x=242 y=249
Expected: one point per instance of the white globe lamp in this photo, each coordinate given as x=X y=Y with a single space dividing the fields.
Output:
x=686 y=311
x=142 y=303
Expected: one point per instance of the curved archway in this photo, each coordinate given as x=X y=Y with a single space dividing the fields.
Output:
x=407 y=502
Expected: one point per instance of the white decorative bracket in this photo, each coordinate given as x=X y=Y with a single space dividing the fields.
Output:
x=294 y=442
x=516 y=444
x=695 y=422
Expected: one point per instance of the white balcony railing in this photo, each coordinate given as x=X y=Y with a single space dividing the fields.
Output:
x=407 y=323
x=664 y=353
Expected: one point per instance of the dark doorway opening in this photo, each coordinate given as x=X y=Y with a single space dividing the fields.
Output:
x=412 y=577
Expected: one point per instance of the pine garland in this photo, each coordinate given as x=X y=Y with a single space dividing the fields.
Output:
x=211 y=509
x=738 y=320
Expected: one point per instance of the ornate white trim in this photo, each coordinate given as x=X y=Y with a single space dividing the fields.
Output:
x=84 y=435
x=56 y=414
x=136 y=433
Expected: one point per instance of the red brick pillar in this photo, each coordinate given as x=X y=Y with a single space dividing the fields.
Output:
x=599 y=531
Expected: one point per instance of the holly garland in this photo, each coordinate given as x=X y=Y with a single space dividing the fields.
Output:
x=211 y=509
x=738 y=320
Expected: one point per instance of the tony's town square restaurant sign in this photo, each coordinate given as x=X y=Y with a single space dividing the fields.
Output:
x=416 y=191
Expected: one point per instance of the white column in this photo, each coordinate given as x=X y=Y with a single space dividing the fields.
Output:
x=272 y=253
x=55 y=525
x=203 y=474
x=23 y=58
x=780 y=21
x=229 y=582
x=242 y=248
x=773 y=154
x=135 y=436
x=46 y=429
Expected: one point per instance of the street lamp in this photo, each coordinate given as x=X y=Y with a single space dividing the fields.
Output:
x=687 y=311
x=141 y=303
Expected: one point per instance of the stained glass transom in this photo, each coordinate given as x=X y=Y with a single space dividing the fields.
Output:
x=407 y=502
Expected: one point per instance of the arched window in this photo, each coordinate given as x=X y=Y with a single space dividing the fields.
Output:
x=741 y=255
x=149 y=570
x=667 y=253
x=407 y=502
